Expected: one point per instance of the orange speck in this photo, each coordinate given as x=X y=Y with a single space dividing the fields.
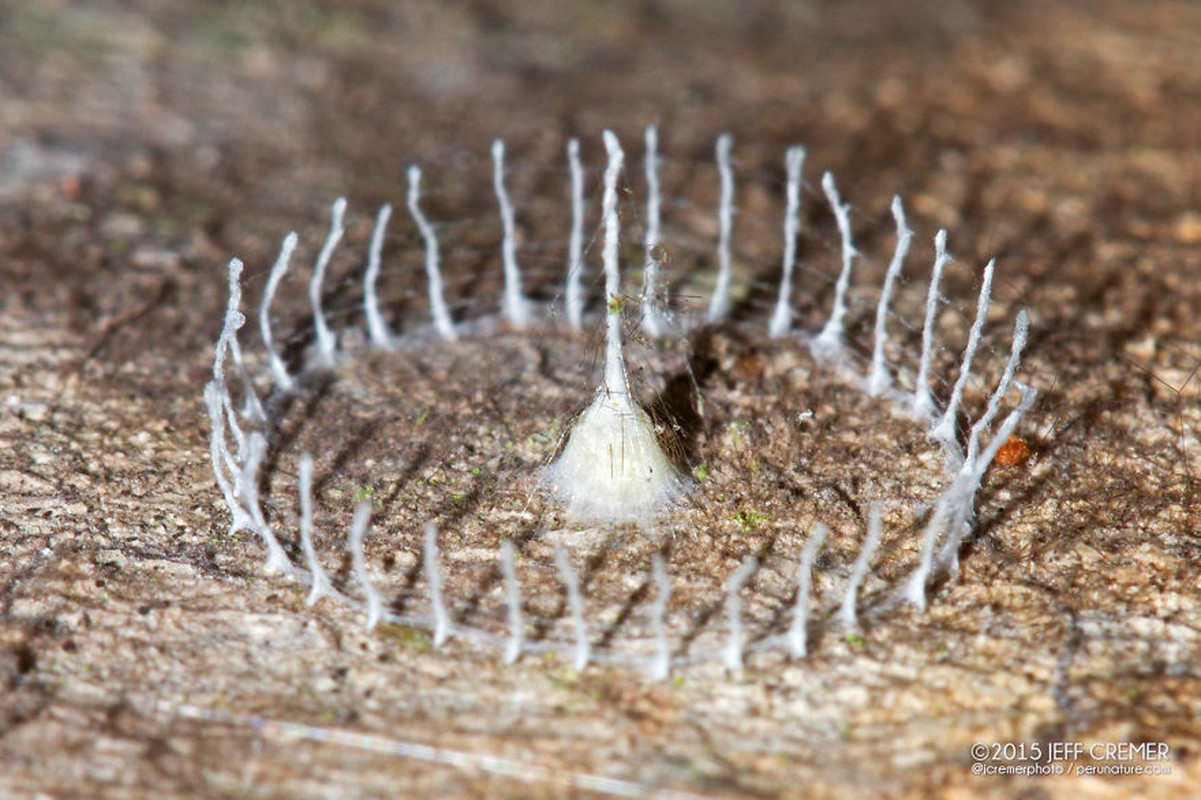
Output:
x=72 y=187
x=1013 y=453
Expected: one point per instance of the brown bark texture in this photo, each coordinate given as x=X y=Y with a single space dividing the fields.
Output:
x=143 y=652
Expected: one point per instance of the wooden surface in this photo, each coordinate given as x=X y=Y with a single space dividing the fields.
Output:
x=142 y=144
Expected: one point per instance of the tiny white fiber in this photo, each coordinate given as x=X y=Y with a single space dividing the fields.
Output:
x=915 y=588
x=944 y=429
x=225 y=467
x=651 y=319
x=279 y=372
x=923 y=401
x=248 y=486
x=326 y=343
x=660 y=665
x=575 y=601
x=1021 y=329
x=797 y=631
x=433 y=270
x=575 y=246
x=433 y=574
x=377 y=329
x=794 y=161
x=358 y=563
x=252 y=408
x=732 y=655
x=320 y=585
x=848 y=615
x=879 y=380
x=829 y=342
x=508 y=569
x=516 y=306
x=719 y=304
